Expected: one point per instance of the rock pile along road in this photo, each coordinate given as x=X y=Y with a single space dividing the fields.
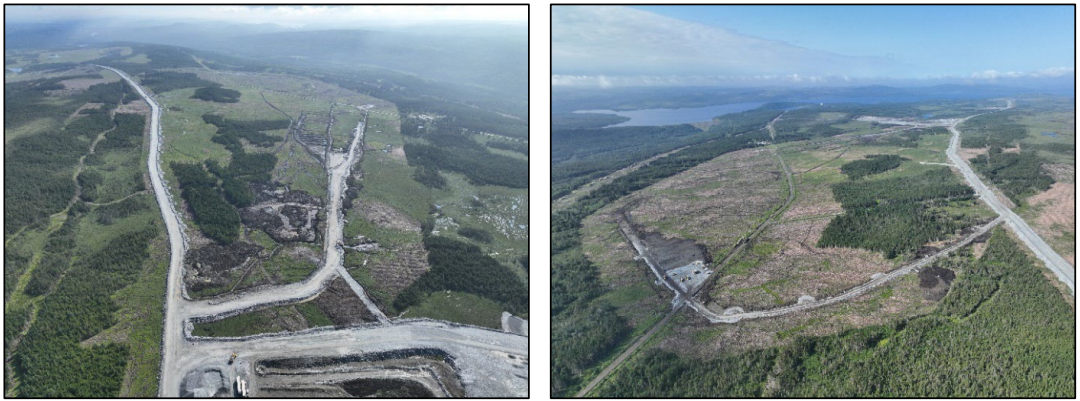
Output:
x=489 y=361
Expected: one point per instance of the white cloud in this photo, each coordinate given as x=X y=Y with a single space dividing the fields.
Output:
x=1053 y=72
x=605 y=81
x=627 y=41
x=764 y=80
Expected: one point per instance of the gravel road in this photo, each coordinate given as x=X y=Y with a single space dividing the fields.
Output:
x=846 y=295
x=492 y=363
x=1061 y=268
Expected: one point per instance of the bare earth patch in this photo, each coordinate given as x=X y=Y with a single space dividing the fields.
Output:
x=395 y=270
x=397 y=153
x=1061 y=172
x=138 y=107
x=1057 y=212
x=715 y=203
x=386 y=216
x=813 y=200
x=796 y=268
x=693 y=336
x=1059 y=205
x=84 y=83
x=970 y=153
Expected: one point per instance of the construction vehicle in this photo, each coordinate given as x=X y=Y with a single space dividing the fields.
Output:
x=232 y=358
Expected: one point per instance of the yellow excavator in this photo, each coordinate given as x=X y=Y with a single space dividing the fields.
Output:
x=232 y=358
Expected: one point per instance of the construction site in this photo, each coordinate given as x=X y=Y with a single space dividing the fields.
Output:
x=341 y=344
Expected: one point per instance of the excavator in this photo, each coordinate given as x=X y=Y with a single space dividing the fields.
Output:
x=232 y=358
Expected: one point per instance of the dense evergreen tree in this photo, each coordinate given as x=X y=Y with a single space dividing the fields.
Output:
x=164 y=81
x=50 y=362
x=1016 y=174
x=872 y=164
x=481 y=167
x=463 y=267
x=1002 y=331
x=216 y=93
x=215 y=217
x=891 y=215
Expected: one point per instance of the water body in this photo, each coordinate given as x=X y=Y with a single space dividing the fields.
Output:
x=655 y=117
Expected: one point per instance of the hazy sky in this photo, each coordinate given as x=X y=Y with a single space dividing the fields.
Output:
x=299 y=16
x=601 y=45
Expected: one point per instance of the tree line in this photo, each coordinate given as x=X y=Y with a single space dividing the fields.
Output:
x=50 y=362
x=481 y=167
x=463 y=267
x=38 y=167
x=212 y=192
x=870 y=165
x=216 y=93
x=1002 y=331
x=1016 y=174
x=892 y=215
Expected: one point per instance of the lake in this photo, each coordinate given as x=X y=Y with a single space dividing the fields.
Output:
x=654 y=117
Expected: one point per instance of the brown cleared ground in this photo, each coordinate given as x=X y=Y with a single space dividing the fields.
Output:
x=84 y=83
x=1054 y=213
x=576 y=194
x=393 y=270
x=386 y=216
x=715 y=203
x=784 y=264
x=692 y=336
x=631 y=287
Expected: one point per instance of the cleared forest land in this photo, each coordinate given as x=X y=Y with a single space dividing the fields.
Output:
x=870 y=196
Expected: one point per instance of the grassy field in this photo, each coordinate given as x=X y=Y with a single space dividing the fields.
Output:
x=289 y=269
x=33 y=127
x=501 y=211
x=389 y=180
x=77 y=56
x=247 y=324
x=385 y=236
x=458 y=307
x=138 y=58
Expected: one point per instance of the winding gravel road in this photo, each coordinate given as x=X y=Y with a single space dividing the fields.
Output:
x=492 y=363
x=847 y=294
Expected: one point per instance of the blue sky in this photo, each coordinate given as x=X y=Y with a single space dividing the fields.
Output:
x=298 y=16
x=835 y=43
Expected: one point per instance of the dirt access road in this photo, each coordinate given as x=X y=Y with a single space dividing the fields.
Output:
x=181 y=353
x=847 y=294
x=681 y=297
